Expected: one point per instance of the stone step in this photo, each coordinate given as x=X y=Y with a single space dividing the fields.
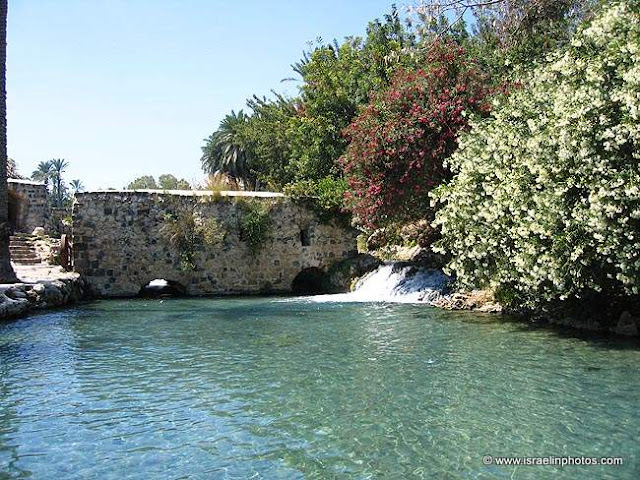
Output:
x=22 y=245
x=28 y=253
x=23 y=237
x=22 y=248
x=24 y=254
x=26 y=259
x=32 y=253
x=26 y=262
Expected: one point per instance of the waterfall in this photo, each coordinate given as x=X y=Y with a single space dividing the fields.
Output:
x=395 y=283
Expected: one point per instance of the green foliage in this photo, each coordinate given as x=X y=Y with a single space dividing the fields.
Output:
x=295 y=143
x=165 y=182
x=507 y=35
x=76 y=185
x=170 y=182
x=228 y=151
x=42 y=173
x=328 y=192
x=520 y=33
x=545 y=204
x=186 y=231
x=401 y=139
x=267 y=134
x=59 y=192
x=325 y=197
x=254 y=223
x=146 y=182
x=337 y=79
x=212 y=231
x=51 y=171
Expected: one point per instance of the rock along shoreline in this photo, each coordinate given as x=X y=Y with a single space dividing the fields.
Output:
x=18 y=299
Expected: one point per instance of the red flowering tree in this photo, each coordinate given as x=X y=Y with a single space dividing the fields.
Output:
x=399 y=141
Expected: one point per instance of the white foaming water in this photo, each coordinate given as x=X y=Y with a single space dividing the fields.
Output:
x=394 y=283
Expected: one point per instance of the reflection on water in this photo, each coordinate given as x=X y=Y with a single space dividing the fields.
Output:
x=234 y=388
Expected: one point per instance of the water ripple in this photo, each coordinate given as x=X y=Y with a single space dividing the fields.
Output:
x=255 y=388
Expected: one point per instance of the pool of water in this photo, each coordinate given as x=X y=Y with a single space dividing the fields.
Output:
x=289 y=388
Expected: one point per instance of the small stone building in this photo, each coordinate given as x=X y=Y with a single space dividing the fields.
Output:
x=28 y=205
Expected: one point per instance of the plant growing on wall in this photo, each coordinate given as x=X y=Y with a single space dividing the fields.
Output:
x=186 y=232
x=254 y=223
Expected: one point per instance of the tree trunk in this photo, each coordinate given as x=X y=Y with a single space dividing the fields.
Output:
x=7 y=274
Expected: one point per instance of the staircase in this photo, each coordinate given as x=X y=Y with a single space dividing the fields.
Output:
x=23 y=250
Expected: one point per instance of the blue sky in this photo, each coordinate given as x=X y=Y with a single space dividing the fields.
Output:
x=122 y=88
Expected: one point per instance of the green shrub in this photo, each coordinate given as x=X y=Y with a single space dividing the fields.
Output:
x=545 y=203
x=325 y=197
x=186 y=232
x=212 y=231
x=254 y=223
x=399 y=142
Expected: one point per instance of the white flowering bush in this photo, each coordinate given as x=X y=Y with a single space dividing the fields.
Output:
x=545 y=202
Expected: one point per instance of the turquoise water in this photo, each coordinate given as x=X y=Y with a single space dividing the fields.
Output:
x=273 y=388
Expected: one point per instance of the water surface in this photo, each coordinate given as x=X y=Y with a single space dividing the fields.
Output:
x=289 y=388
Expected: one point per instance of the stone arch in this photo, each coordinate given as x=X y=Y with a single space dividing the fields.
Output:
x=309 y=281
x=160 y=287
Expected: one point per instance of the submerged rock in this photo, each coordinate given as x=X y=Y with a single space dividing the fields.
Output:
x=342 y=275
x=477 y=300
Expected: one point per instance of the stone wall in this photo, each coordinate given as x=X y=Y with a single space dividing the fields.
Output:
x=28 y=205
x=120 y=245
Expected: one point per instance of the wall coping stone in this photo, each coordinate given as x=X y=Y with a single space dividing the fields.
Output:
x=190 y=193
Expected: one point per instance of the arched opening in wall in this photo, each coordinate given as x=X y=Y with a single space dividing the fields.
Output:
x=15 y=209
x=162 y=288
x=310 y=281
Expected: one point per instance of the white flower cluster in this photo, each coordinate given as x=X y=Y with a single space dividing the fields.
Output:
x=545 y=203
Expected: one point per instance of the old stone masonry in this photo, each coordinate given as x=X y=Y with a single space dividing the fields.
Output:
x=124 y=240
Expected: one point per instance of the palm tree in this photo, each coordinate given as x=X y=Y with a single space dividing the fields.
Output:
x=7 y=275
x=76 y=186
x=58 y=165
x=227 y=152
x=42 y=173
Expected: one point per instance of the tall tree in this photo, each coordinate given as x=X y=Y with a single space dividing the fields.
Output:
x=170 y=182
x=42 y=173
x=510 y=32
x=145 y=182
x=226 y=151
x=7 y=275
x=58 y=165
x=76 y=186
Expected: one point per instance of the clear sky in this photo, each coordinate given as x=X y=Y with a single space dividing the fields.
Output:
x=123 y=88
